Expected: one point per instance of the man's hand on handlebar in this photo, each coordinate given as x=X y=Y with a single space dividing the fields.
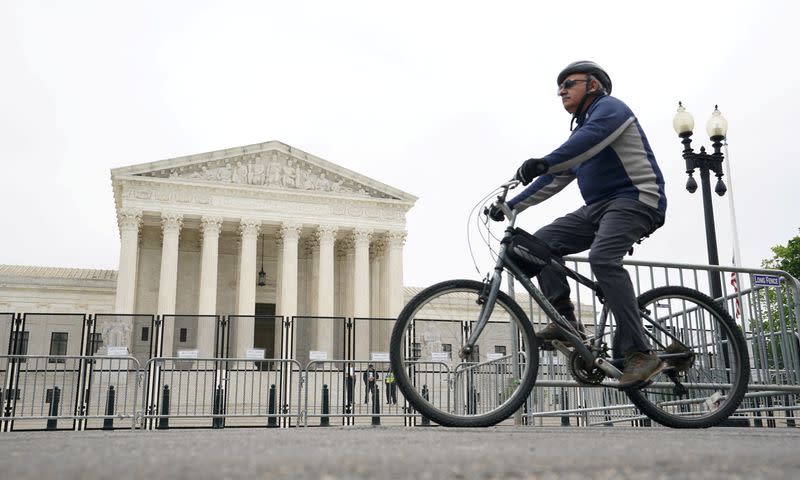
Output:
x=531 y=169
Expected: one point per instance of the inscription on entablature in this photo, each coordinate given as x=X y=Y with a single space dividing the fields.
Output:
x=261 y=205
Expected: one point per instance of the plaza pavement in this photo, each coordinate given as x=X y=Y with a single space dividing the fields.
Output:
x=399 y=452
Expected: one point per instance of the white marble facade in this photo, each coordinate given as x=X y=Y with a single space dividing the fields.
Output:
x=195 y=231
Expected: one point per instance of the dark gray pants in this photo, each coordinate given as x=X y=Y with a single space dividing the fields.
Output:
x=608 y=229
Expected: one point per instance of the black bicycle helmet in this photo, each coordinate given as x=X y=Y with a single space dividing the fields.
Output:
x=589 y=68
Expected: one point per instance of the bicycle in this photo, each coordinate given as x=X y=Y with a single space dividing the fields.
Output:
x=705 y=379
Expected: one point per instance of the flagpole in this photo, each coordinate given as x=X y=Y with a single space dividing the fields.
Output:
x=737 y=255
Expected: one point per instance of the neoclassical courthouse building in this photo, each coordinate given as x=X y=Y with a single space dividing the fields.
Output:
x=196 y=231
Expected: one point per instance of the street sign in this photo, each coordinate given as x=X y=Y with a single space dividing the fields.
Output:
x=763 y=280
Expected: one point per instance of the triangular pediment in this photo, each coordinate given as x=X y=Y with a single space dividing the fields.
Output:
x=270 y=165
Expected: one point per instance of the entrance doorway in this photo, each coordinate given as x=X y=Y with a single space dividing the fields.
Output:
x=264 y=331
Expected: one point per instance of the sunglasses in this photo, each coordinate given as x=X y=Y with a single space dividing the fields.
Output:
x=567 y=84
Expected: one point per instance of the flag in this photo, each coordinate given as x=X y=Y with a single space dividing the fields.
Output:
x=735 y=285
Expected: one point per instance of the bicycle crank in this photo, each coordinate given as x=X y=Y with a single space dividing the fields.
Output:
x=595 y=376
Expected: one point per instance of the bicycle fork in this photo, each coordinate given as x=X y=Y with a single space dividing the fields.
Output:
x=487 y=298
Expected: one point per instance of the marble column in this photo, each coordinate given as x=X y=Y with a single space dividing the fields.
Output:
x=375 y=254
x=361 y=290
x=207 y=303
x=345 y=259
x=380 y=336
x=377 y=272
x=171 y=223
x=289 y=234
x=395 y=240
x=129 y=220
x=307 y=303
x=326 y=235
x=343 y=297
x=278 y=285
x=246 y=302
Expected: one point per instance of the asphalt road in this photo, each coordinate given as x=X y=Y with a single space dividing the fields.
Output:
x=397 y=452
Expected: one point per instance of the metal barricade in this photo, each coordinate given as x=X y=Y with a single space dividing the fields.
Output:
x=767 y=311
x=79 y=391
x=63 y=392
x=219 y=392
x=484 y=386
x=346 y=392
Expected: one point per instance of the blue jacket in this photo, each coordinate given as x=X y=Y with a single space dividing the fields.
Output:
x=609 y=155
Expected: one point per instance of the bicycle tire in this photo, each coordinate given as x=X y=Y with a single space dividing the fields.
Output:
x=720 y=361
x=511 y=394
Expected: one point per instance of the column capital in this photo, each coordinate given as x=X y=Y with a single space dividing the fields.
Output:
x=396 y=238
x=325 y=233
x=344 y=250
x=249 y=227
x=290 y=231
x=129 y=219
x=171 y=222
x=210 y=225
x=361 y=236
x=378 y=247
x=310 y=245
x=345 y=246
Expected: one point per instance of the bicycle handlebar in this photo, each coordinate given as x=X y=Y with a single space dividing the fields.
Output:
x=509 y=185
x=501 y=199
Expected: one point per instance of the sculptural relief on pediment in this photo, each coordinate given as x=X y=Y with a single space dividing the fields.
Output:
x=269 y=169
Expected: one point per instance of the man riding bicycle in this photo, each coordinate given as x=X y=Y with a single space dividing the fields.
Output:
x=623 y=188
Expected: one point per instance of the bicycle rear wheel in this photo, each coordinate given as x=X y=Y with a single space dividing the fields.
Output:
x=707 y=385
x=475 y=392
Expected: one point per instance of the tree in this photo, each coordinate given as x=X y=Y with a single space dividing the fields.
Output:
x=775 y=325
x=786 y=258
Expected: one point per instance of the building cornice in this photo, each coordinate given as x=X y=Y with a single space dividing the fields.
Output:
x=153 y=195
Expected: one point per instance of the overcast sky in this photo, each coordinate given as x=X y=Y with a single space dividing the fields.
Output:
x=440 y=99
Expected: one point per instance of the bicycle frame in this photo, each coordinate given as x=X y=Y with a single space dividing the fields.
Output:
x=589 y=354
x=503 y=263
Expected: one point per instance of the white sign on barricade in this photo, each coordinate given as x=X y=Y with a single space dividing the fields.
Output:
x=440 y=356
x=117 y=351
x=188 y=353
x=494 y=356
x=380 y=356
x=317 y=355
x=255 y=353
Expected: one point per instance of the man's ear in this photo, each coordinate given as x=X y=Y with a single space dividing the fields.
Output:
x=594 y=86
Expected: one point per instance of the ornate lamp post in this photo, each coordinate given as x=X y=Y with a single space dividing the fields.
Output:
x=717 y=128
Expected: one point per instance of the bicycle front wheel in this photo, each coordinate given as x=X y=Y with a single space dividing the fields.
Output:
x=482 y=390
x=707 y=363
